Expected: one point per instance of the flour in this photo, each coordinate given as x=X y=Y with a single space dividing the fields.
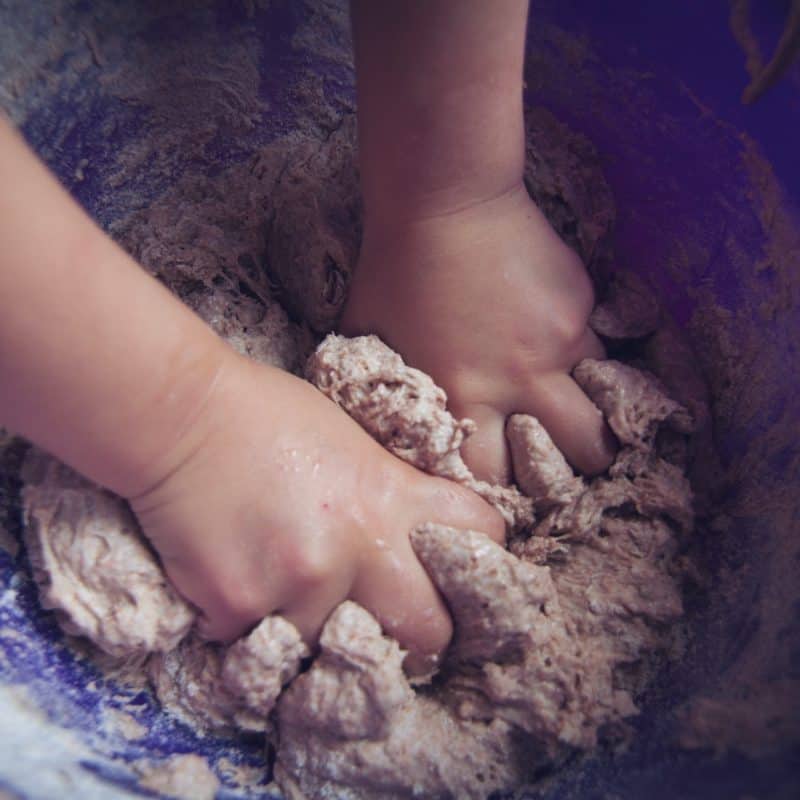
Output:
x=186 y=777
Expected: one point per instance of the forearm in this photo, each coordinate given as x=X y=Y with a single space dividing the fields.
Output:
x=440 y=102
x=99 y=364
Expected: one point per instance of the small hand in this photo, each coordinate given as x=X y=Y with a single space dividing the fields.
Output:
x=494 y=306
x=281 y=503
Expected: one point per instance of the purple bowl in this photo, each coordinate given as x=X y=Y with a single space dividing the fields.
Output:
x=656 y=87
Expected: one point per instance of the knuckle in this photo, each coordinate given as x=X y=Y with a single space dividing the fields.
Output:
x=570 y=325
x=308 y=567
x=243 y=604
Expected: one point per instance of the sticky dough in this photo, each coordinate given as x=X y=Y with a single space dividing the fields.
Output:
x=541 y=628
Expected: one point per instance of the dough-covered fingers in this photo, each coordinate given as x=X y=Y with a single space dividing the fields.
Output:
x=413 y=610
x=574 y=423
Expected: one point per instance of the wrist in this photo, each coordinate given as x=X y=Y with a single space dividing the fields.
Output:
x=163 y=428
x=439 y=87
x=445 y=174
x=416 y=234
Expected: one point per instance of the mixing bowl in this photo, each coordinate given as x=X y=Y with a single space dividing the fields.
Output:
x=122 y=99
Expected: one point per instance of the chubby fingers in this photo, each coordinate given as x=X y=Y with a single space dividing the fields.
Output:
x=303 y=584
x=575 y=424
x=394 y=585
x=383 y=575
x=230 y=605
x=486 y=452
x=447 y=503
x=395 y=588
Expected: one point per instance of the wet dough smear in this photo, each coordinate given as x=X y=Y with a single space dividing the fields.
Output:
x=546 y=631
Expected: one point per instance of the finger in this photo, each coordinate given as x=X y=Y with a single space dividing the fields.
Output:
x=590 y=347
x=310 y=615
x=574 y=423
x=394 y=586
x=447 y=503
x=309 y=609
x=227 y=616
x=229 y=604
x=486 y=451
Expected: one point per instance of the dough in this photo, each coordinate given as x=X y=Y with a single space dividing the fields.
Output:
x=541 y=630
x=93 y=566
x=352 y=727
x=406 y=412
x=212 y=687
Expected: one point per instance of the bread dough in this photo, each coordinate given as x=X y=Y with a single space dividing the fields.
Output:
x=93 y=566
x=541 y=630
x=212 y=687
x=407 y=413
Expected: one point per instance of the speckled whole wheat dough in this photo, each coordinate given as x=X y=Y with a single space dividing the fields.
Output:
x=539 y=630
x=93 y=566
x=535 y=646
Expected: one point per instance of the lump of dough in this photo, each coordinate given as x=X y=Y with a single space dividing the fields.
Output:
x=540 y=469
x=508 y=622
x=403 y=409
x=396 y=404
x=211 y=687
x=629 y=308
x=93 y=566
x=353 y=728
x=367 y=666
x=258 y=666
x=632 y=401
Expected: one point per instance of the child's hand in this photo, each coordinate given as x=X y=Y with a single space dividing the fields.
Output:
x=259 y=494
x=281 y=503
x=493 y=305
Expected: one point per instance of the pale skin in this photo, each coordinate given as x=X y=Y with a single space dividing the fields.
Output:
x=102 y=367
x=459 y=270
